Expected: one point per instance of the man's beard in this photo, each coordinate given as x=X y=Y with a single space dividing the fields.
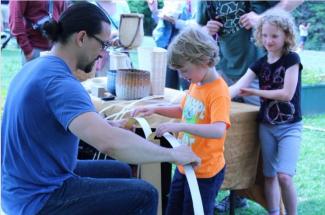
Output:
x=89 y=67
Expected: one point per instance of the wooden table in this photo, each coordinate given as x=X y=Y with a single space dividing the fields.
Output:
x=241 y=146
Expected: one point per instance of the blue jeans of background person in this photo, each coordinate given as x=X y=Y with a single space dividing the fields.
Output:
x=104 y=187
x=36 y=54
x=253 y=100
x=175 y=81
x=180 y=200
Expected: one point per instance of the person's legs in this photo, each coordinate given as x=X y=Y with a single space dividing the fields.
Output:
x=272 y=195
x=302 y=42
x=289 y=194
x=269 y=153
x=289 y=137
x=36 y=54
x=102 y=195
x=172 y=79
x=180 y=199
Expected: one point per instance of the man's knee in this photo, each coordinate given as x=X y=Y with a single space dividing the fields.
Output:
x=148 y=190
x=146 y=198
x=125 y=171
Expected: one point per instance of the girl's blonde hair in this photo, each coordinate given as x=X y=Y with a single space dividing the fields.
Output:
x=195 y=46
x=282 y=20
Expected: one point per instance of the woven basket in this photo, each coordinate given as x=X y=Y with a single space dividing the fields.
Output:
x=132 y=84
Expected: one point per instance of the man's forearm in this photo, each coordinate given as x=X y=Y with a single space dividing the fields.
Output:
x=118 y=143
x=131 y=148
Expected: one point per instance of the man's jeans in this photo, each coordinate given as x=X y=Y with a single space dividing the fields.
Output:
x=253 y=100
x=104 y=187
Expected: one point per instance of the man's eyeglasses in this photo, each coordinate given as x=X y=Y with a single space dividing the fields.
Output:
x=105 y=45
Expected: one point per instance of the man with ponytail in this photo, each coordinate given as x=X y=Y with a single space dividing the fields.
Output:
x=47 y=111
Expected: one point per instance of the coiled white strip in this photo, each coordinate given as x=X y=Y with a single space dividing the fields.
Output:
x=191 y=179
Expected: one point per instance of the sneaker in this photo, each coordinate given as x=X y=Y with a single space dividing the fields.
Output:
x=224 y=205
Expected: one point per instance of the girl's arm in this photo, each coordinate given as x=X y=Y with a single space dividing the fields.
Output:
x=284 y=94
x=214 y=130
x=243 y=82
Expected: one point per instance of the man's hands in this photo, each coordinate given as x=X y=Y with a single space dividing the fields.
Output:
x=249 y=20
x=118 y=123
x=213 y=26
x=183 y=155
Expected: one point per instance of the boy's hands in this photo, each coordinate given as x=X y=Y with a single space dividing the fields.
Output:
x=142 y=112
x=168 y=127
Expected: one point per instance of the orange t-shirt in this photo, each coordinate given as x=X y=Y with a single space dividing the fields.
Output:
x=206 y=104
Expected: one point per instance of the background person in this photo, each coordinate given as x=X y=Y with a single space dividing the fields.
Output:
x=279 y=74
x=22 y=16
x=303 y=32
x=172 y=18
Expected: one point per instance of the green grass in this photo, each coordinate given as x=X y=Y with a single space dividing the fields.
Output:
x=314 y=67
x=10 y=65
x=310 y=176
x=311 y=169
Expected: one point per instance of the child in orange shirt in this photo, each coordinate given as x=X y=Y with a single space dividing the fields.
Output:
x=205 y=118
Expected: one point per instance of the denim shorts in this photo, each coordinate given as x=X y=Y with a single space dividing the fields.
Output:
x=280 y=146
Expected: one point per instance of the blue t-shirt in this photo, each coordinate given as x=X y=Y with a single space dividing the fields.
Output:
x=38 y=152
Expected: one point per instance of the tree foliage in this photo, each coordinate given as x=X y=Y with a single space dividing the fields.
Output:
x=137 y=6
x=313 y=12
